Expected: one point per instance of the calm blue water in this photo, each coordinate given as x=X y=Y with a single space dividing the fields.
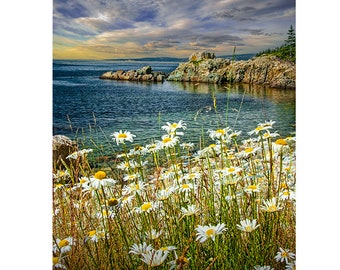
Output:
x=88 y=109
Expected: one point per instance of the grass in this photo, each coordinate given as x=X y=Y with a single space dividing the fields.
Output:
x=165 y=205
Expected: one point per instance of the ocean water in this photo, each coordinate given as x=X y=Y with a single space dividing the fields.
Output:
x=88 y=109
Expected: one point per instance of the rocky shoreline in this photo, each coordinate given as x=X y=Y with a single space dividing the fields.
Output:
x=204 y=67
x=142 y=74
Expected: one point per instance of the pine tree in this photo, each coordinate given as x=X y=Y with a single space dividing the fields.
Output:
x=290 y=43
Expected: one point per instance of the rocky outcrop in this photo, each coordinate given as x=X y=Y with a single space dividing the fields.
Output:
x=142 y=74
x=265 y=70
x=62 y=146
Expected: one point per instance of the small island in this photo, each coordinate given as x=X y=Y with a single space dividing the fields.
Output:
x=204 y=67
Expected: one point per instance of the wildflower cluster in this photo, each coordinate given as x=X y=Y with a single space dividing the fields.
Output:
x=165 y=205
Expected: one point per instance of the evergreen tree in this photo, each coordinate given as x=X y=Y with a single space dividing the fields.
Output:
x=286 y=51
x=290 y=43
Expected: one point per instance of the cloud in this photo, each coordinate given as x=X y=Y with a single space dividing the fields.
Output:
x=172 y=27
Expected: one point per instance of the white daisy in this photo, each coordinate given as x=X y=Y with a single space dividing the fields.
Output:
x=121 y=137
x=171 y=128
x=64 y=245
x=154 y=257
x=168 y=141
x=271 y=205
x=206 y=232
x=266 y=267
x=153 y=234
x=284 y=255
x=80 y=153
x=140 y=249
x=247 y=225
x=190 y=210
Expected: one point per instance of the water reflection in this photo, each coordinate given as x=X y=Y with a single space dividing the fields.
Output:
x=255 y=91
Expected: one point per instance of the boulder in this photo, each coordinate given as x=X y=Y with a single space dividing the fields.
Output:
x=62 y=146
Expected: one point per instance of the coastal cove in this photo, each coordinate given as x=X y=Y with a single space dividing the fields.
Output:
x=87 y=108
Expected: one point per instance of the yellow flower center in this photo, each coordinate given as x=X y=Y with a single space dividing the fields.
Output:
x=210 y=232
x=55 y=260
x=100 y=175
x=231 y=170
x=164 y=248
x=112 y=202
x=220 y=131
x=185 y=186
x=146 y=206
x=252 y=187
x=281 y=142
x=259 y=128
x=272 y=208
x=248 y=150
x=92 y=233
x=174 y=125
x=284 y=254
x=82 y=181
x=212 y=145
x=248 y=228
x=166 y=140
x=283 y=185
x=58 y=185
x=122 y=136
x=63 y=243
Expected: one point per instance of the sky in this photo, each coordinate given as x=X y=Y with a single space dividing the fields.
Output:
x=102 y=29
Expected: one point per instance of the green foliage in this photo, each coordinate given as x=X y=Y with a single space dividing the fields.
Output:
x=287 y=51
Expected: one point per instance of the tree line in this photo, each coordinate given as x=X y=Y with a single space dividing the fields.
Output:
x=287 y=51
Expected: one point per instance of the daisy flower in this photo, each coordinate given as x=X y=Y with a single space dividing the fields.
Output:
x=192 y=176
x=168 y=141
x=168 y=248
x=121 y=137
x=252 y=189
x=190 y=210
x=63 y=245
x=80 y=153
x=268 y=135
x=206 y=232
x=232 y=170
x=164 y=194
x=185 y=188
x=95 y=235
x=154 y=257
x=249 y=151
x=287 y=194
x=146 y=207
x=139 y=249
x=284 y=255
x=266 y=267
x=171 y=128
x=57 y=263
x=270 y=205
x=247 y=225
x=291 y=266
x=99 y=180
x=262 y=126
x=152 y=148
x=134 y=188
x=153 y=234
x=132 y=176
x=219 y=133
